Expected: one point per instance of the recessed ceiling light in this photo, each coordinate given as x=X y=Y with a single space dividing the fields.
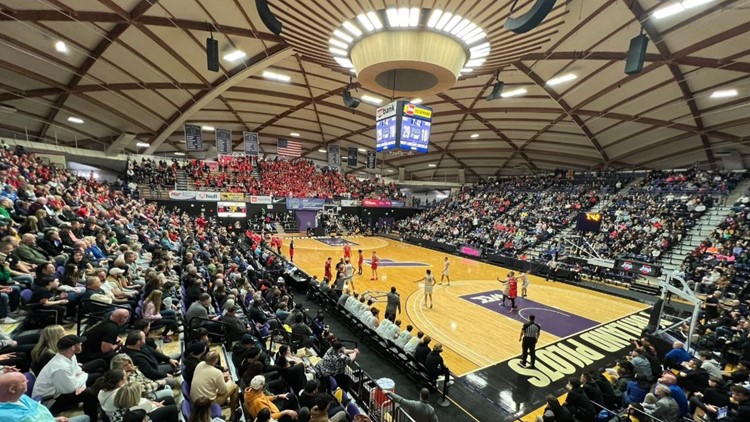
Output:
x=142 y=145
x=375 y=20
x=390 y=170
x=514 y=93
x=371 y=100
x=179 y=153
x=362 y=150
x=344 y=62
x=724 y=93
x=207 y=128
x=431 y=165
x=343 y=36
x=337 y=43
x=362 y=18
x=416 y=101
x=562 y=78
x=322 y=150
x=352 y=29
x=338 y=51
x=295 y=134
x=234 y=55
x=677 y=7
x=474 y=63
x=276 y=76
x=61 y=47
x=434 y=17
x=76 y=120
x=474 y=135
x=467 y=70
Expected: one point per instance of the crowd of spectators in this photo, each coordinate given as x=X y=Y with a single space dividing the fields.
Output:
x=156 y=174
x=511 y=214
x=127 y=267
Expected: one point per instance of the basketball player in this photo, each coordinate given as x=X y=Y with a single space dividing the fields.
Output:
x=291 y=251
x=512 y=291
x=328 y=274
x=374 y=265
x=506 y=289
x=347 y=252
x=446 y=272
x=360 y=262
x=349 y=273
x=525 y=283
x=429 y=282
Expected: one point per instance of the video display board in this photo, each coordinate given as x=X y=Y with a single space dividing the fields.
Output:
x=403 y=125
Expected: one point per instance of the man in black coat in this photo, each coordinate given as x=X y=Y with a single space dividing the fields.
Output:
x=591 y=389
x=423 y=349
x=144 y=359
x=434 y=363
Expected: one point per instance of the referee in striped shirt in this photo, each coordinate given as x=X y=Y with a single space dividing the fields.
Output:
x=529 y=336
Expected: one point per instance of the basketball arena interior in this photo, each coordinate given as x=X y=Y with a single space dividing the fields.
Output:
x=374 y=210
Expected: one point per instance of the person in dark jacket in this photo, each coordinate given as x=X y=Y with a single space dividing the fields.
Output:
x=578 y=403
x=423 y=349
x=135 y=347
x=608 y=393
x=636 y=390
x=592 y=390
x=434 y=363
x=740 y=396
x=554 y=411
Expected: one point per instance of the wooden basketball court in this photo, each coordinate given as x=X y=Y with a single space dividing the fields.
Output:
x=467 y=318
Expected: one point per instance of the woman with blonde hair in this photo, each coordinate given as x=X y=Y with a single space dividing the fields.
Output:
x=46 y=348
x=129 y=398
x=29 y=226
x=153 y=312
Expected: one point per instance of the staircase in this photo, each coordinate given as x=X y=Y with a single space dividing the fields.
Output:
x=182 y=180
x=702 y=229
x=256 y=173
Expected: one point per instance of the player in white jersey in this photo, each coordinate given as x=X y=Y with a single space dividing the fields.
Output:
x=446 y=272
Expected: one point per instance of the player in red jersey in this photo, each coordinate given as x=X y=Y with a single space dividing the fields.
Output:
x=347 y=252
x=374 y=265
x=360 y=262
x=328 y=273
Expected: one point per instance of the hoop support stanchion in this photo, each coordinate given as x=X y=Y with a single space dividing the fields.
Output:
x=443 y=401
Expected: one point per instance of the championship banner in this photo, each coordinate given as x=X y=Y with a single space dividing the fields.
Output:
x=261 y=200
x=223 y=141
x=334 y=155
x=208 y=196
x=232 y=196
x=182 y=194
x=251 y=143
x=193 y=138
x=352 y=156
x=372 y=160
x=305 y=203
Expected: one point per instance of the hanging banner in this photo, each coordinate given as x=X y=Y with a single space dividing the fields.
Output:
x=372 y=160
x=193 y=138
x=223 y=141
x=251 y=143
x=334 y=155
x=352 y=156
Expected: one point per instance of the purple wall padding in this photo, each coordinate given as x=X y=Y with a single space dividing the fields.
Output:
x=303 y=217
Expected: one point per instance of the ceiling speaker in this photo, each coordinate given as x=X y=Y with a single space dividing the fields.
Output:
x=530 y=19
x=497 y=91
x=350 y=101
x=636 y=55
x=268 y=18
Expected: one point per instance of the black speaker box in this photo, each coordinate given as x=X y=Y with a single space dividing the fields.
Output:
x=636 y=54
x=212 y=54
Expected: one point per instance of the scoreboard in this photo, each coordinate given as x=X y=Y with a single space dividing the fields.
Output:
x=589 y=222
x=403 y=125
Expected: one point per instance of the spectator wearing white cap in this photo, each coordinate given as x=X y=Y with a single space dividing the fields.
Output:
x=256 y=400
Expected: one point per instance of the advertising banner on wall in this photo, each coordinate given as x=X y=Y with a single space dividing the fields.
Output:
x=181 y=194
x=382 y=203
x=208 y=196
x=305 y=203
x=261 y=199
x=232 y=196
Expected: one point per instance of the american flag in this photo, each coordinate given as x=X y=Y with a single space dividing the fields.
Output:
x=288 y=148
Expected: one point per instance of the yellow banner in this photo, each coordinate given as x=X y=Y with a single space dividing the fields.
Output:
x=233 y=196
x=414 y=110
